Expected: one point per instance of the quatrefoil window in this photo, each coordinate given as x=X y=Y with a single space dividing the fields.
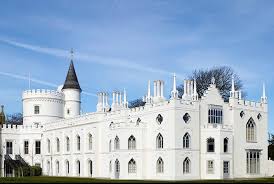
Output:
x=242 y=114
x=259 y=116
x=186 y=118
x=159 y=118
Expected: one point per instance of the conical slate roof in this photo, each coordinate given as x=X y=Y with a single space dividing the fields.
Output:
x=71 y=79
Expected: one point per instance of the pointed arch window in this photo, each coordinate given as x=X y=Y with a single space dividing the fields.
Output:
x=132 y=166
x=90 y=169
x=48 y=142
x=67 y=168
x=78 y=143
x=110 y=166
x=90 y=141
x=117 y=166
x=186 y=141
x=116 y=143
x=57 y=167
x=210 y=145
x=225 y=145
x=67 y=144
x=250 y=131
x=131 y=143
x=109 y=145
x=48 y=168
x=186 y=166
x=78 y=167
x=160 y=165
x=159 y=141
x=57 y=145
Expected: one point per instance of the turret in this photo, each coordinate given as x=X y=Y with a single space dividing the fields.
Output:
x=158 y=91
x=190 y=90
x=72 y=92
x=264 y=98
x=148 y=98
x=2 y=116
x=174 y=92
x=102 y=105
x=233 y=93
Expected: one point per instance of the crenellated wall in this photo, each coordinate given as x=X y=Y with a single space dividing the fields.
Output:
x=49 y=102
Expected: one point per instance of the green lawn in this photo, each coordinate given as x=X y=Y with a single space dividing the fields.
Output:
x=43 y=179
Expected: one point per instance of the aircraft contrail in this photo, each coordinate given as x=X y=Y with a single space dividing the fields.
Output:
x=114 y=62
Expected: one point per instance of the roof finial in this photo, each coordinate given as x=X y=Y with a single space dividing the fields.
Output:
x=174 y=92
x=264 y=98
x=233 y=84
x=213 y=80
x=148 y=89
x=264 y=90
x=71 y=54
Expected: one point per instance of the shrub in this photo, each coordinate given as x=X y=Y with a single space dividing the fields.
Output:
x=36 y=171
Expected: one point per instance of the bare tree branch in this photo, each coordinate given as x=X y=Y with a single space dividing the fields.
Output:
x=223 y=77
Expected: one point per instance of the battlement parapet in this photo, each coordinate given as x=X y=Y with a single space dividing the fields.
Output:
x=42 y=93
x=9 y=128
x=218 y=126
x=149 y=106
x=78 y=120
x=126 y=125
x=249 y=104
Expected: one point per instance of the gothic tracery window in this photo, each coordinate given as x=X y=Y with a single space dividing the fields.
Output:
x=186 y=166
x=116 y=143
x=89 y=141
x=160 y=165
x=131 y=143
x=250 y=131
x=132 y=166
x=186 y=140
x=215 y=114
x=159 y=141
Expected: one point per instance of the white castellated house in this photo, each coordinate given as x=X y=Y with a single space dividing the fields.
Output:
x=166 y=139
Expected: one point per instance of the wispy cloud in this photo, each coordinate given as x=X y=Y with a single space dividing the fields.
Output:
x=37 y=81
x=106 y=61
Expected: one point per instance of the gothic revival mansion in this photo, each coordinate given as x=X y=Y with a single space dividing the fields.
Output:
x=169 y=138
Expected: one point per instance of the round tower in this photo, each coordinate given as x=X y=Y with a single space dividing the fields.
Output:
x=41 y=106
x=72 y=94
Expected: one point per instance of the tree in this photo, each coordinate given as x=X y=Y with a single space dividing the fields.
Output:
x=271 y=139
x=223 y=77
x=271 y=146
x=15 y=119
x=136 y=103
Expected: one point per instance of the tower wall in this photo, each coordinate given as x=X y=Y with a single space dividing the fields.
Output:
x=50 y=105
x=72 y=102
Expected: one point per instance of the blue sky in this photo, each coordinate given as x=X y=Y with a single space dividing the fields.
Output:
x=123 y=44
